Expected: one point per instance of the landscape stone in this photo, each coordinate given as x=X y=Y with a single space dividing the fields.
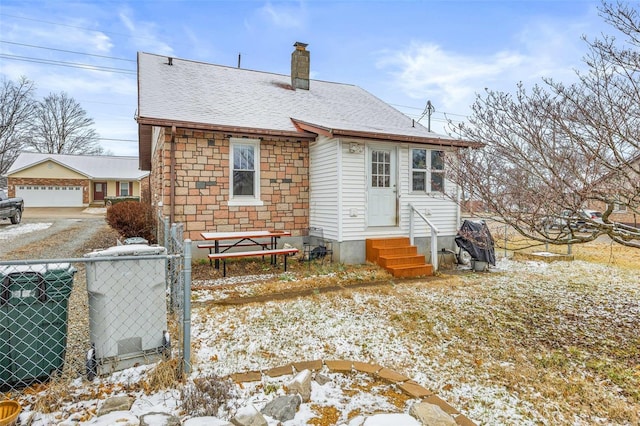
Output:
x=282 y=408
x=366 y=367
x=314 y=365
x=301 y=384
x=279 y=371
x=207 y=420
x=249 y=416
x=321 y=379
x=120 y=418
x=338 y=365
x=250 y=376
x=431 y=415
x=435 y=399
x=116 y=403
x=159 y=419
x=414 y=389
x=391 y=419
x=391 y=375
x=463 y=420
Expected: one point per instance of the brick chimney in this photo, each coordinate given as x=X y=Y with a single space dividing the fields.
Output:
x=300 y=65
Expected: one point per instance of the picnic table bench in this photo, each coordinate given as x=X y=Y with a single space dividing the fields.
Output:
x=266 y=240
x=213 y=246
x=285 y=252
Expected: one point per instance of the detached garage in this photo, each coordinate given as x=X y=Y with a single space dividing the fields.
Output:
x=58 y=180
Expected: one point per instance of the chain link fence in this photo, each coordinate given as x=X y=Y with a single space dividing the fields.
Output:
x=85 y=317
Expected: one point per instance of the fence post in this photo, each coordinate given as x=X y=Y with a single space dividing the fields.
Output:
x=186 y=316
x=165 y=222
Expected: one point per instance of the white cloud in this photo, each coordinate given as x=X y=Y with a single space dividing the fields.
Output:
x=144 y=35
x=543 y=48
x=283 y=15
x=426 y=70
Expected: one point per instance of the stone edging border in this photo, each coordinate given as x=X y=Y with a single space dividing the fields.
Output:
x=407 y=385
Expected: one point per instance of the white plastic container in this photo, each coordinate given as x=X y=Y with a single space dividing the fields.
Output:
x=127 y=308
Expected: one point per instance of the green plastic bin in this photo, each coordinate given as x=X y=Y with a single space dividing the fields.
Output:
x=34 y=303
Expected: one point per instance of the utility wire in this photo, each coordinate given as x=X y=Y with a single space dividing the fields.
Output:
x=74 y=26
x=422 y=109
x=67 y=51
x=87 y=67
x=118 y=140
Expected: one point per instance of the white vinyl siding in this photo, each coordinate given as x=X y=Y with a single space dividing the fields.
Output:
x=324 y=184
x=338 y=194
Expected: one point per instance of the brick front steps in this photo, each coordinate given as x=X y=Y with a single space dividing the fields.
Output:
x=397 y=256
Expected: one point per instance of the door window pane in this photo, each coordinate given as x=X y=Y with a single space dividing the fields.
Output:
x=380 y=169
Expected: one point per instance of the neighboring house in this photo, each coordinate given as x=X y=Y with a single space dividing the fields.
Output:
x=616 y=184
x=58 y=180
x=231 y=149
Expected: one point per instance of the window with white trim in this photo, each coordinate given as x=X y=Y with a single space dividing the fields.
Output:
x=124 y=189
x=427 y=170
x=244 y=164
x=619 y=207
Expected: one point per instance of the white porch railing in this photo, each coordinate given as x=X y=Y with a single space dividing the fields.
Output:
x=434 y=234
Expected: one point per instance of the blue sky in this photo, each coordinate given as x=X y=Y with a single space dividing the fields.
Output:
x=403 y=52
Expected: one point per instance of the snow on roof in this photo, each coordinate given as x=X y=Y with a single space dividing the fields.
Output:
x=92 y=166
x=198 y=92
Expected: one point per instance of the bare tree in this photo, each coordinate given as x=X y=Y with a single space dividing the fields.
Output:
x=16 y=109
x=61 y=126
x=555 y=149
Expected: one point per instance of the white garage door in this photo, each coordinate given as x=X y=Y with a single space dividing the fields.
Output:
x=50 y=196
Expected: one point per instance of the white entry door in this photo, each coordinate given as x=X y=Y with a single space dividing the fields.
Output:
x=382 y=196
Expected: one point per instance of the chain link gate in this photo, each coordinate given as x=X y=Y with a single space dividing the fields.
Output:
x=85 y=317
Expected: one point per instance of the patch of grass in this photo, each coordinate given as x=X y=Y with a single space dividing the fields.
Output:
x=165 y=375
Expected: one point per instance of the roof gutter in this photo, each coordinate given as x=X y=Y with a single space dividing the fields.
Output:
x=320 y=130
x=226 y=129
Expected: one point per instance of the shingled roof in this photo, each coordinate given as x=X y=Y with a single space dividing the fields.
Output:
x=190 y=94
x=91 y=166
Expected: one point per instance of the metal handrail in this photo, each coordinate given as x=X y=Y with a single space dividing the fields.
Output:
x=434 y=234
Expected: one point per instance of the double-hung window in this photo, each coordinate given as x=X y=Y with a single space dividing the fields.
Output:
x=244 y=166
x=427 y=170
x=124 y=189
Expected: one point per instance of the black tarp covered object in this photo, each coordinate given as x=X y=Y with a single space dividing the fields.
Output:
x=475 y=238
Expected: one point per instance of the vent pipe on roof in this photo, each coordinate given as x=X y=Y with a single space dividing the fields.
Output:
x=300 y=65
x=169 y=60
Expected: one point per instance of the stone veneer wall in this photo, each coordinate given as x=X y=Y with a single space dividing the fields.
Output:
x=84 y=183
x=628 y=216
x=202 y=184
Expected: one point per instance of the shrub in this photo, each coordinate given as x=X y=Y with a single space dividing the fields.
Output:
x=204 y=396
x=109 y=201
x=133 y=219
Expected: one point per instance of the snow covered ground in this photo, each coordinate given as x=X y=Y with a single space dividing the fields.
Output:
x=528 y=343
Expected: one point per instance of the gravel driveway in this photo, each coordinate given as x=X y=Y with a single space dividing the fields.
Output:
x=61 y=234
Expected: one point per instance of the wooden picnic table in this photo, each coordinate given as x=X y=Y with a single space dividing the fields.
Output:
x=242 y=239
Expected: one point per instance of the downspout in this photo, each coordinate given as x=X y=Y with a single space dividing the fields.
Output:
x=172 y=175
